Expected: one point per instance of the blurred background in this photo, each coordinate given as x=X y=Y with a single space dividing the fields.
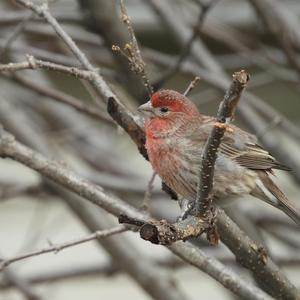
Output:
x=179 y=39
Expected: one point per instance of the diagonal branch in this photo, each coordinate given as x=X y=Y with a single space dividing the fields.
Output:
x=191 y=85
x=198 y=258
x=209 y=156
x=186 y=49
x=133 y=52
x=56 y=248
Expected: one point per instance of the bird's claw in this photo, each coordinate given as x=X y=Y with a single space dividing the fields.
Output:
x=185 y=211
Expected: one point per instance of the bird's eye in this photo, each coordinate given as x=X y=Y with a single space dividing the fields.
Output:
x=164 y=110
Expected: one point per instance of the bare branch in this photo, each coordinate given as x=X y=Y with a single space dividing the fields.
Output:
x=105 y=269
x=191 y=85
x=209 y=155
x=181 y=32
x=148 y=193
x=216 y=269
x=102 y=16
x=11 y=191
x=161 y=232
x=14 y=34
x=33 y=64
x=57 y=248
x=64 y=98
x=133 y=52
x=186 y=49
x=283 y=24
x=164 y=233
x=255 y=258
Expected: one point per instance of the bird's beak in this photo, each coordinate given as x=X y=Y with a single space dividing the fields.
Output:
x=146 y=108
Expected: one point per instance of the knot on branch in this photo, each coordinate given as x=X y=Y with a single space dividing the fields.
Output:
x=242 y=77
x=164 y=233
x=159 y=232
x=31 y=61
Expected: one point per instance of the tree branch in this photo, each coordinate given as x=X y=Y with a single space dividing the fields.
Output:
x=225 y=276
x=33 y=64
x=102 y=17
x=191 y=85
x=209 y=156
x=57 y=248
x=64 y=98
x=255 y=258
x=186 y=49
x=164 y=233
x=133 y=52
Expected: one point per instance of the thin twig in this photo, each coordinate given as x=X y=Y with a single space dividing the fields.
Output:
x=32 y=64
x=14 y=34
x=12 y=17
x=191 y=85
x=185 y=52
x=148 y=193
x=180 y=30
x=132 y=51
x=57 y=248
x=61 y=97
x=97 y=80
x=283 y=24
x=90 y=269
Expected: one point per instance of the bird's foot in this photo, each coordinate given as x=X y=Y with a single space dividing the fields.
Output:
x=186 y=208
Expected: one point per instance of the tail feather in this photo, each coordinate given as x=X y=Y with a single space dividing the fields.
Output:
x=281 y=201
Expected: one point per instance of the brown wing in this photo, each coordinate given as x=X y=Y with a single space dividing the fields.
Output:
x=242 y=147
x=253 y=157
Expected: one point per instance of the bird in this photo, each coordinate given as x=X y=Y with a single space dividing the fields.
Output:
x=176 y=133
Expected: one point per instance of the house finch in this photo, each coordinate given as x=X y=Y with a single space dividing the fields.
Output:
x=175 y=137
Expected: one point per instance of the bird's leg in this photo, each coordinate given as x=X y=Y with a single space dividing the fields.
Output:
x=186 y=206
